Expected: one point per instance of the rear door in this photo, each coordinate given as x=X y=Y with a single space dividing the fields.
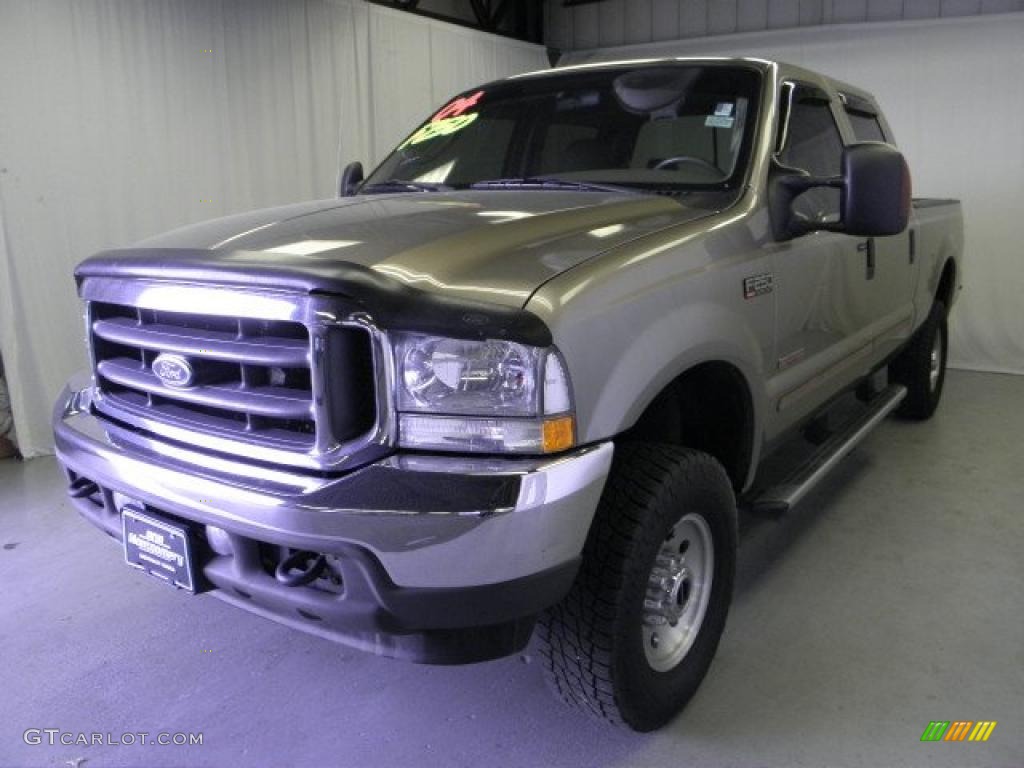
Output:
x=891 y=271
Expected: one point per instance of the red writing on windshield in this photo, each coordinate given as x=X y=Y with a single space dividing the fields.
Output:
x=457 y=106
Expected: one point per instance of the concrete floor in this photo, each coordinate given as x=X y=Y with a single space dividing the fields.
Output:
x=893 y=596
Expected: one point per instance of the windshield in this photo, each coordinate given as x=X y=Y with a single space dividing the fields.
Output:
x=665 y=127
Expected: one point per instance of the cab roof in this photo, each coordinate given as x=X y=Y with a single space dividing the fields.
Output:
x=785 y=70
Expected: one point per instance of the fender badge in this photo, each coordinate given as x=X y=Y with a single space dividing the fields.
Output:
x=757 y=285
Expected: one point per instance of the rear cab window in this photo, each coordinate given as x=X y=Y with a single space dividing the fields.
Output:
x=863 y=117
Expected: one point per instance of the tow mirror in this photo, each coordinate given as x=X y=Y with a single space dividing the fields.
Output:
x=875 y=196
x=351 y=178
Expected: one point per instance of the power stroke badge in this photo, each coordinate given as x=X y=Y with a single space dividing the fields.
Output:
x=757 y=285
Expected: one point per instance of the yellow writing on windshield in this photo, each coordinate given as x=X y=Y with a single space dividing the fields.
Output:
x=443 y=127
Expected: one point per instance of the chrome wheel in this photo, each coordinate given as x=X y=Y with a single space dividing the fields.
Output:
x=678 y=592
x=935 y=362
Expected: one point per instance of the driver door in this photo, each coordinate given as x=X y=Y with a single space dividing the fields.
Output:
x=823 y=309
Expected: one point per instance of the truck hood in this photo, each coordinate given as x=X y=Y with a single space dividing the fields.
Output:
x=493 y=246
x=457 y=263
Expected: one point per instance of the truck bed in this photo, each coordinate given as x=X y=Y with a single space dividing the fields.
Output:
x=938 y=228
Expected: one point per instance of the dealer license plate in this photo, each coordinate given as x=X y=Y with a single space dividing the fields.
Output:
x=159 y=547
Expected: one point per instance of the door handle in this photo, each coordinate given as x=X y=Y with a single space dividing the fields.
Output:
x=867 y=247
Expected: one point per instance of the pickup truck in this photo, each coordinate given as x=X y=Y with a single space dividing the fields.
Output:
x=518 y=381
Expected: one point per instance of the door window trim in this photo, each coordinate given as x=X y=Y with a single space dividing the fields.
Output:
x=787 y=89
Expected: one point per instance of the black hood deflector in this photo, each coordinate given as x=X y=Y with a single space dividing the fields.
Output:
x=392 y=304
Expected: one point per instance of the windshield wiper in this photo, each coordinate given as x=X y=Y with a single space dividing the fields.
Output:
x=551 y=182
x=403 y=185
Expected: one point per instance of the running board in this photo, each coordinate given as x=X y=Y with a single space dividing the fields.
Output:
x=781 y=497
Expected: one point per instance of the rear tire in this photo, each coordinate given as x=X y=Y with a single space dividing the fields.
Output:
x=662 y=547
x=921 y=367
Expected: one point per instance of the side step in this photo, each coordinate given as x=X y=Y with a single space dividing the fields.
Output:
x=781 y=497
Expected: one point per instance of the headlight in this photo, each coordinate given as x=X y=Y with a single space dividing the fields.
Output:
x=481 y=396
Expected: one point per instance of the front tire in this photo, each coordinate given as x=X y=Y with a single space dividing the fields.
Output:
x=921 y=367
x=634 y=637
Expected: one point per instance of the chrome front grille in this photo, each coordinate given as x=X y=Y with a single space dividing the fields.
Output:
x=252 y=376
x=295 y=387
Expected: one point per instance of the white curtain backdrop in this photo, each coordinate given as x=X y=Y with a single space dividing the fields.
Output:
x=119 y=120
x=953 y=91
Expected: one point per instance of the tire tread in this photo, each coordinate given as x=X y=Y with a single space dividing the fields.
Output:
x=911 y=367
x=578 y=637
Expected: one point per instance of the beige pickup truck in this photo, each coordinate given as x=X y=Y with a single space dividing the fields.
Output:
x=519 y=380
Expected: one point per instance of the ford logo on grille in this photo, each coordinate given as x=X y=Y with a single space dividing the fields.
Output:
x=174 y=370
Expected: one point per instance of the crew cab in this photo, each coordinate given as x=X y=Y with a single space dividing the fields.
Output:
x=520 y=378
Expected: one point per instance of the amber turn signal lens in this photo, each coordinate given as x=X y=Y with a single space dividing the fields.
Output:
x=558 y=434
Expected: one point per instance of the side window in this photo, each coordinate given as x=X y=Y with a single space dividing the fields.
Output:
x=865 y=126
x=813 y=144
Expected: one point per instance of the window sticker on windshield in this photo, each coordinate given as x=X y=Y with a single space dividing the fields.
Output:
x=450 y=118
x=724 y=109
x=718 y=121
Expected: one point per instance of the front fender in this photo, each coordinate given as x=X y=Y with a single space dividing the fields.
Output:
x=712 y=333
x=630 y=323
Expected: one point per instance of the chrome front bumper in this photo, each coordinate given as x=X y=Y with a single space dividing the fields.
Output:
x=436 y=522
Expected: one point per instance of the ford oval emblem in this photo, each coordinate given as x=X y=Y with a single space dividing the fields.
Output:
x=174 y=370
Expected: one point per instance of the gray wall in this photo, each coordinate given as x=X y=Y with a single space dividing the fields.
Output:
x=623 y=22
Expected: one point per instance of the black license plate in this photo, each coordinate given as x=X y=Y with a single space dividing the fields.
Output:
x=159 y=547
